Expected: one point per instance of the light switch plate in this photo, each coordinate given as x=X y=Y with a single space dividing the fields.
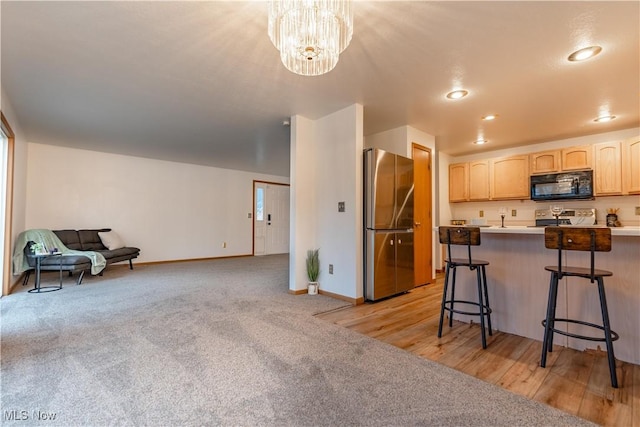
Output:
x=340 y=206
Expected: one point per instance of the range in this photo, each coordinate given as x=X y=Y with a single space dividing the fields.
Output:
x=578 y=217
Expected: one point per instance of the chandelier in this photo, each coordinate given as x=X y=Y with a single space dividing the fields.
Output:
x=310 y=34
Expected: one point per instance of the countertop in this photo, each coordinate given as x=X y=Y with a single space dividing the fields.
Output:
x=521 y=229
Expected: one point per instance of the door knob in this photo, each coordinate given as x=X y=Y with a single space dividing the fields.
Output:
x=416 y=224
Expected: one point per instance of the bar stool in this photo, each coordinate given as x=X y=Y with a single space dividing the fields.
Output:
x=468 y=236
x=589 y=239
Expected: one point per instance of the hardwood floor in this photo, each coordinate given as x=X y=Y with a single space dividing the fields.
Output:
x=576 y=382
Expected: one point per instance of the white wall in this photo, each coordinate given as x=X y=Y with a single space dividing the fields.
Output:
x=302 y=228
x=170 y=210
x=393 y=141
x=326 y=168
x=339 y=179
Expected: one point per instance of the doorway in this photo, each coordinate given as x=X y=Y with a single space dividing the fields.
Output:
x=270 y=218
x=422 y=202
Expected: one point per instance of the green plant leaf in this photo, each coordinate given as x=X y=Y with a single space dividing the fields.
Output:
x=313 y=264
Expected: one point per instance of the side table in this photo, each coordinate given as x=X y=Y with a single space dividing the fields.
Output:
x=41 y=289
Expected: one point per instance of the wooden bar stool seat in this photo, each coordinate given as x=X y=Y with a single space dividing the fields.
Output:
x=591 y=239
x=465 y=236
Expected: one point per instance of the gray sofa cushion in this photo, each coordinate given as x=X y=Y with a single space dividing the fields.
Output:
x=120 y=254
x=90 y=240
x=66 y=260
x=70 y=239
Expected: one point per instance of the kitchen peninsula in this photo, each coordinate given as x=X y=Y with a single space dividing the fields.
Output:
x=518 y=286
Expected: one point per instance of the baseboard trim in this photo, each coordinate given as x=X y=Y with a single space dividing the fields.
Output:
x=18 y=281
x=172 y=261
x=353 y=301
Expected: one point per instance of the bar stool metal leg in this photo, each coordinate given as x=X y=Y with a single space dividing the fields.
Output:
x=444 y=299
x=453 y=296
x=547 y=341
x=481 y=306
x=554 y=306
x=607 y=333
x=486 y=299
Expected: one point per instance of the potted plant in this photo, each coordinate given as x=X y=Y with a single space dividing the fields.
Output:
x=313 y=270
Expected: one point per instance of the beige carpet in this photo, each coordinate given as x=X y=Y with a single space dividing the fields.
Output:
x=222 y=343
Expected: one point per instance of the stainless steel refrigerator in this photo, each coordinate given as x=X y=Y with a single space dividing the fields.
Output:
x=388 y=224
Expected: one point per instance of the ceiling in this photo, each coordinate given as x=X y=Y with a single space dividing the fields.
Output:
x=200 y=82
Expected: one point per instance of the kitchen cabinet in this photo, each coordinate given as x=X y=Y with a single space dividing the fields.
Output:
x=479 y=180
x=579 y=157
x=567 y=159
x=459 y=182
x=607 y=170
x=631 y=166
x=509 y=178
x=545 y=162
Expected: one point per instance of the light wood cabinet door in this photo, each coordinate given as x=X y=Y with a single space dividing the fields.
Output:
x=579 y=157
x=608 y=168
x=479 y=180
x=545 y=162
x=459 y=182
x=631 y=166
x=509 y=177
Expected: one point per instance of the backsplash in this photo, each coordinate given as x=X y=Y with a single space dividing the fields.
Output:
x=525 y=210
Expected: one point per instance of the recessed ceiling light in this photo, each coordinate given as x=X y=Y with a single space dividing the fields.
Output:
x=586 y=53
x=603 y=119
x=480 y=142
x=457 y=94
x=490 y=117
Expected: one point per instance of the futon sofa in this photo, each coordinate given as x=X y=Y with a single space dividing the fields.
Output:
x=82 y=240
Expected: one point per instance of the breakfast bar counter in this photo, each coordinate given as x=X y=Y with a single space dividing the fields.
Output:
x=518 y=286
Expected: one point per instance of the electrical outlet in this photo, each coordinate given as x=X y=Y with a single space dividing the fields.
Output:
x=514 y=212
x=637 y=210
x=481 y=214
x=340 y=206
x=330 y=268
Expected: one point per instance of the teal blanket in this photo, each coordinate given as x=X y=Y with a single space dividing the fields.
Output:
x=49 y=239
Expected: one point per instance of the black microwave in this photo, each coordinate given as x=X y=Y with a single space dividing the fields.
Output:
x=577 y=185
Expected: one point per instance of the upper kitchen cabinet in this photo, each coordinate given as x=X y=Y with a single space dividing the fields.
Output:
x=631 y=166
x=607 y=170
x=459 y=182
x=575 y=158
x=567 y=159
x=479 y=180
x=509 y=178
x=545 y=162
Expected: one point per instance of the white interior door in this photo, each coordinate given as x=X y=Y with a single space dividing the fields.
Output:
x=271 y=219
